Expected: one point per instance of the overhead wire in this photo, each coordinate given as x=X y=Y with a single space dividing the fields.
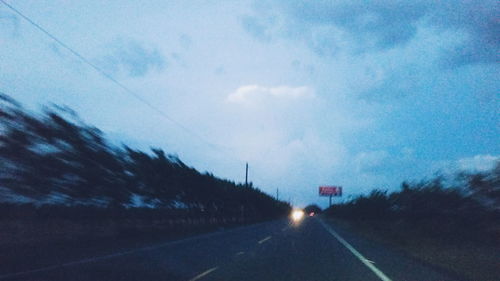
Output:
x=113 y=80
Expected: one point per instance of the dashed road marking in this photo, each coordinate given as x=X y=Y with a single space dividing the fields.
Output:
x=264 y=240
x=357 y=254
x=284 y=228
x=124 y=253
x=239 y=253
x=204 y=273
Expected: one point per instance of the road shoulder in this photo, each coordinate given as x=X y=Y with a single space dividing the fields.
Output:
x=396 y=263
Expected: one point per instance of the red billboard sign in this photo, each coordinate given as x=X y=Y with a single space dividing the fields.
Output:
x=330 y=190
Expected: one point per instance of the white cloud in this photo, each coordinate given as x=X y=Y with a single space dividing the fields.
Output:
x=478 y=162
x=253 y=93
x=371 y=161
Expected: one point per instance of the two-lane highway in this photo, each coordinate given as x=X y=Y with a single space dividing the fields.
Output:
x=278 y=250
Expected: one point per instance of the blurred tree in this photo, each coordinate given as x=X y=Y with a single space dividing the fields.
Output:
x=312 y=208
x=484 y=186
x=57 y=158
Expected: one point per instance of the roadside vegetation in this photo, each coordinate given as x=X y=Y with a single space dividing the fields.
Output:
x=314 y=209
x=452 y=223
x=63 y=176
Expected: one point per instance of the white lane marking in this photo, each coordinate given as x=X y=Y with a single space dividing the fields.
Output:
x=264 y=240
x=357 y=254
x=284 y=228
x=201 y=275
x=239 y=253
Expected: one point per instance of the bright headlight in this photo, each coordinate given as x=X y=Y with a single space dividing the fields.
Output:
x=297 y=215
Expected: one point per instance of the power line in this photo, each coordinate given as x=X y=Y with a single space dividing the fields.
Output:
x=109 y=77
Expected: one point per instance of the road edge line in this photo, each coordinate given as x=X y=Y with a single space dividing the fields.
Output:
x=264 y=240
x=206 y=272
x=357 y=254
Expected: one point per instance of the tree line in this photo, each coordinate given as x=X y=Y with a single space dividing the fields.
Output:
x=54 y=158
x=466 y=202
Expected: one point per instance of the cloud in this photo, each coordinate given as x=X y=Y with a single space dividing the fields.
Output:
x=478 y=162
x=131 y=58
x=261 y=27
x=373 y=27
x=254 y=93
x=9 y=24
x=357 y=27
x=281 y=132
x=478 y=20
x=371 y=161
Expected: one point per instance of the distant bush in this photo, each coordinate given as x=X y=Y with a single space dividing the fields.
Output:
x=313 y=208
x=376 y=204
x=468 y=202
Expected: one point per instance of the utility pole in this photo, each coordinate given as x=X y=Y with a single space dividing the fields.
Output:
x=277 y=194
x=242 y=208
x=246 y=175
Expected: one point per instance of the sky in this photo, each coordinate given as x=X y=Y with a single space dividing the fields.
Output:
x=359 y=94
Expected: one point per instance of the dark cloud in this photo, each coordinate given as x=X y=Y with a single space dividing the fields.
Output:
x=258 y=27
x=329 y=27
x=132 y=58
x=376 y=26
x=480 y=21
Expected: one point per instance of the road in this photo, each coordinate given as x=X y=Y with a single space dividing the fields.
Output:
x=311 y=250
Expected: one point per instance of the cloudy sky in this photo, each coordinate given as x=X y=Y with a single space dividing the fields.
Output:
x=359 y=94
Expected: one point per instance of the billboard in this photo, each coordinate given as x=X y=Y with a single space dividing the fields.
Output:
x=330 y=190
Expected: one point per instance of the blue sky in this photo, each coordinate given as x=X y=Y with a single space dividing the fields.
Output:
x=358 y=94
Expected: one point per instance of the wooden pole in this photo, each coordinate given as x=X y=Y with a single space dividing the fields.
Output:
x=246 y=175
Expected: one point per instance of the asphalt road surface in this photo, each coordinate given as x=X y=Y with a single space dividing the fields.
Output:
x=311 y=250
